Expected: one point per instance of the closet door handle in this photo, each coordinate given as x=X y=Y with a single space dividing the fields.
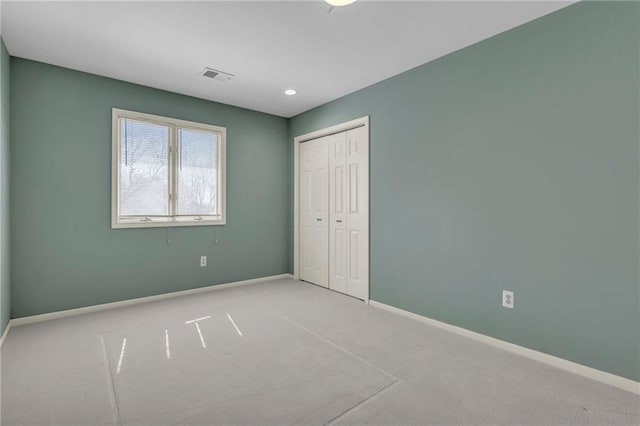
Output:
x=319 y=220
x=339 y=221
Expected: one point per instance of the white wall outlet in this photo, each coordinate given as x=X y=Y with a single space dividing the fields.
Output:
x=203 y=261
x=508 y=299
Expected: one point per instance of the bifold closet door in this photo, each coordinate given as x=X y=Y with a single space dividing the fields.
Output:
x=338 y=243
x=314 y=209
x=349 y=213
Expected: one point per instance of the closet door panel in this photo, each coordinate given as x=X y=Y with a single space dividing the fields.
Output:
x=357 y=163
x=306 y=212
x=321 y=213
x=338 y=267
x=314 y=212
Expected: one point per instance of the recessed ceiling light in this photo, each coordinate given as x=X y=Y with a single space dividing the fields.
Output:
x=339 y=2
x=290 y=92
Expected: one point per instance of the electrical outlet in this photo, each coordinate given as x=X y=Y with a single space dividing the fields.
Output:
x=203 y=261
x=508 y=299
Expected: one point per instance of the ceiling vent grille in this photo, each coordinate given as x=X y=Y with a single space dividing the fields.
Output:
x=216 y=75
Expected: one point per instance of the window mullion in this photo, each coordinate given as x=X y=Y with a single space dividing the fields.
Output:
x=173 y=143
x=219 y=171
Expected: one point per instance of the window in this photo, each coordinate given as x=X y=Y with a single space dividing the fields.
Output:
x=166 y=172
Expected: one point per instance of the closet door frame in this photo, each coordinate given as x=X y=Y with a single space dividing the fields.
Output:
x=349 y=125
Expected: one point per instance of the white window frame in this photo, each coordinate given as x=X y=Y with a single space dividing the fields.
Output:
x=171 y=220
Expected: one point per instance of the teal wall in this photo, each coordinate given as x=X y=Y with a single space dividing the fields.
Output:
x=5 y=276
x=513 y=164
x=64 y=252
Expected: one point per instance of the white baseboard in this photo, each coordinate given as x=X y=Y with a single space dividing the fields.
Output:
x=6 y=333
x=105 y=306
x=563 y=364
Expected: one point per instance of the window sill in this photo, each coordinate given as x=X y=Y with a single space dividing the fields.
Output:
x=164 y=223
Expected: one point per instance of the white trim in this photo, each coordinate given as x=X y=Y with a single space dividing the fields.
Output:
x=171 y=220
x=106 y=306
x=563 y=364
x=353 y=124
x=342 y=127
x=6 y=333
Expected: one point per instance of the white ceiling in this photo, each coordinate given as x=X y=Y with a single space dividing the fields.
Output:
x=268 y=46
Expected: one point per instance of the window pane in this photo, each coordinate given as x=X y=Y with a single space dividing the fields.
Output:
x=144 y=172
x=197 y=173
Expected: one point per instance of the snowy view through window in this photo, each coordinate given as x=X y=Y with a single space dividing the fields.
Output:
x=144 y=170
x=197 y=173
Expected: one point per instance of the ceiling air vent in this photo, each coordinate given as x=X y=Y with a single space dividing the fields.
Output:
x=216 y=75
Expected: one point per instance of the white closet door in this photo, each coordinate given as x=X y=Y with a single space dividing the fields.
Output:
x=314 y=217
x=338 y=244
x=357 y=192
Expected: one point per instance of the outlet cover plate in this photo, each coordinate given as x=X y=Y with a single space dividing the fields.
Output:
x=508 y=299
